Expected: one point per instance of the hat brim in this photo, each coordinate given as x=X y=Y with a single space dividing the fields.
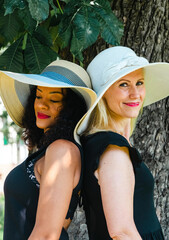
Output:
x=15 y=89
x=156 y=77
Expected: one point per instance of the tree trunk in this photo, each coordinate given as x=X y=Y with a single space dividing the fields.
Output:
x=146 y=32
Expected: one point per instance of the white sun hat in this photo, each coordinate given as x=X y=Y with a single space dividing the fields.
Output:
x=114 y=63
x=15 y=87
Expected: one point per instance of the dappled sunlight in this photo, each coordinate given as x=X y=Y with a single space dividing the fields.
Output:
x=59 y=167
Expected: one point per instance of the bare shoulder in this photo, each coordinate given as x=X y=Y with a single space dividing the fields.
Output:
x=115 y=154
x=116 y=150
x=63 y=145
x=63 y=150
x=115 y=160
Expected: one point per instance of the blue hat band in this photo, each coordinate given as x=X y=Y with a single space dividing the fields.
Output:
x=63 y=74
x=57 y=77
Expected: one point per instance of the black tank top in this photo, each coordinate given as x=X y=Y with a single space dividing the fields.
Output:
x=145 y=216
x=21 y=199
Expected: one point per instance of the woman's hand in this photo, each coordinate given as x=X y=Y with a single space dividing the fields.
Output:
x=116 y=179
x=60 y=174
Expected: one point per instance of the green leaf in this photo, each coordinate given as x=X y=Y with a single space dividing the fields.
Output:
x=9 y=26
x=66 y=23
x=26 y=18
x=43 y=36
x=76 y=47
x=114 y=33
x=101 y=4
x=11 y=5
x=84 y=20
x=2 y=41
x=53 y=7
x=12 y=58
x=111 y=27
x=71 y=8
x=39 y=9
x=65 y=29
x=66 y=36
x=37 y=56
x=24 y=41
x=86 y=27
x=66 y=1
x=57 y=41
x=54 y=33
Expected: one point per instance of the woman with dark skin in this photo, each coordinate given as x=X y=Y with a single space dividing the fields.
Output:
x=41 y=194
x=118 y=186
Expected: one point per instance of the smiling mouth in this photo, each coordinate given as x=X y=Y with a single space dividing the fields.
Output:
x=42 y=116
x=136 y=104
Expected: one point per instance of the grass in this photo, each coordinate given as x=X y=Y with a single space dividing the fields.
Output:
x=1 y=216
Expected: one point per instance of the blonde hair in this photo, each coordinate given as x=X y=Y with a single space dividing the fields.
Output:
x=100 y=120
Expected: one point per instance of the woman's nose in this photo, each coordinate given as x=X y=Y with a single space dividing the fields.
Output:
x=43 y=104
x=134 y=92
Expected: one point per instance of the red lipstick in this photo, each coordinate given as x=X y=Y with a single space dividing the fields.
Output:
x=42 y=116
x=132 y=104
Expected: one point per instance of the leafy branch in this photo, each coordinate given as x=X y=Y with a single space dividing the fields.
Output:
x=36 y=31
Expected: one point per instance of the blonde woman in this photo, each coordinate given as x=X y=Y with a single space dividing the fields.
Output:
x=118 y=186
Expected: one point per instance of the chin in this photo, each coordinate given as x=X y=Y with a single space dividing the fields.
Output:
x=40 y=126
x=135 y=113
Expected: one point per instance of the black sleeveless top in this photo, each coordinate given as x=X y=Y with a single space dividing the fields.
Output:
x=21 y=199
x=145 y=216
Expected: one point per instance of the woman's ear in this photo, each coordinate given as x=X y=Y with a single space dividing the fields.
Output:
x=59 y=108
x=64 y=91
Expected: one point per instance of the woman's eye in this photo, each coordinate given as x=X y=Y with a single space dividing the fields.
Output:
x=123 y=85
x=54 y=101
x=38 y=97
x=140 y=83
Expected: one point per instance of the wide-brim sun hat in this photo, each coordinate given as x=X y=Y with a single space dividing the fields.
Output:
x=15 y=87
x=114 y=63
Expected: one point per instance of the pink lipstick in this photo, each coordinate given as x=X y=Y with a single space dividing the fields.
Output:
x=42 y=115
x=132 y=104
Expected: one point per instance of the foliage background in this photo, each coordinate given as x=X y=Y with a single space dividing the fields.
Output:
x=36 y=32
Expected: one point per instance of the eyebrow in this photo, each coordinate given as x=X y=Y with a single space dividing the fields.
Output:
x=50 y=92
x=123 y=79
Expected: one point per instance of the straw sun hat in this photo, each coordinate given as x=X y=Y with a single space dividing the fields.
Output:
x=116 y=62
x=15 y=87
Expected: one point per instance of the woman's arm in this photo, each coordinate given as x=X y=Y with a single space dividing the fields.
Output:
x=60 y=175
x=116 y=179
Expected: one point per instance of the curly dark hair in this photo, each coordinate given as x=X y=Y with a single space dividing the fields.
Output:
x=74 y=107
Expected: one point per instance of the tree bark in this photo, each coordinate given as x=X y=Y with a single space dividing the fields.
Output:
x=147 y=33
